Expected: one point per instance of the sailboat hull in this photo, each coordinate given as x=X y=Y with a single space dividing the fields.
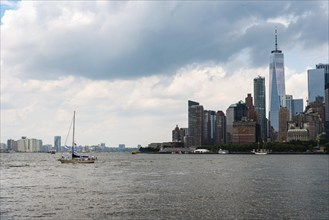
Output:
x=75 y=161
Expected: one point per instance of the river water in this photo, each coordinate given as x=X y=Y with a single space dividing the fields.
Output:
x=153 y=186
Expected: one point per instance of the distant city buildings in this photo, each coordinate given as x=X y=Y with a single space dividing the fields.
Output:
x=244 y=122
x=205 y=127
x=29 y=145
x=178 y=134
x=122 y=146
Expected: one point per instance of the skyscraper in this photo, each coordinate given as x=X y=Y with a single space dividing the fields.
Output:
x=260 y=105
x=209 y=127
x=315 y=83
x=283 y=124
x=57 y=143
x=221 y=127
x=277 y=84
x=287 y=101
x=298 y=106
x=326 y=95
x=235 y=112
x=195 y=122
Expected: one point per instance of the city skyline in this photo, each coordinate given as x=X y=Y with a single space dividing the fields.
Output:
x=128 y=68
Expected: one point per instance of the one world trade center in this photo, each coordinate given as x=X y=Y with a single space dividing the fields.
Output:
x=277 y=84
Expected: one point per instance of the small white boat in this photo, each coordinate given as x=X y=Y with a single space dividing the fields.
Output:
x=201 y=151
x=260 y=152
x=221 y=151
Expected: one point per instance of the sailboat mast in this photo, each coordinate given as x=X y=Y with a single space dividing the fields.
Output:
x=73 y=134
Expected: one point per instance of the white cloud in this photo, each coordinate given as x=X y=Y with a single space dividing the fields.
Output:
x=128 y=68
x=123 y=111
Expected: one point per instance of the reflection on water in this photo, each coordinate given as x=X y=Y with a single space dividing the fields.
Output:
x=125 y=186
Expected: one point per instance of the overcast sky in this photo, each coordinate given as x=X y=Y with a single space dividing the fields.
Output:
x=129 y=68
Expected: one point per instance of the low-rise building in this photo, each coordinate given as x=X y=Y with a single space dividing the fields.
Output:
x=298 y=134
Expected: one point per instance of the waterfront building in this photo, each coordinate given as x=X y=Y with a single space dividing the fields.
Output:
x=34 y=145
x=221 y=127
x=244 y=132
x=191 y=117
x=310 y=120
x=209 y=127
x=235 y=112
x=188 y=141
x=277 y=84
x=57 y=143
x=283 y=124
x=326 y=95
x=12 y=144
x=178 y=134
x=3 y=147
x=297 y=134
x=252 y=114
x=22 y=144
x=315 y=83
x=29 y=145
x=260 y=105
x=195 y=122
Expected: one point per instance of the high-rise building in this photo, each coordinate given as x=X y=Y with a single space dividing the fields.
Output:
x=277 y=84
x=235 y=112
x=57 y=143
x=244 y=132
x=326 y=95
x=260 y=105
x=297 y=106
x=178 y=134
x=209 y=127
x=252 y=114
x=287 y=102
x=195 y=122
x=283 y=124
x=315 y=83
x=191 y=118
x=221 y=127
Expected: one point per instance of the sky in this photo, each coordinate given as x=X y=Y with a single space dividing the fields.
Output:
x=128 y=68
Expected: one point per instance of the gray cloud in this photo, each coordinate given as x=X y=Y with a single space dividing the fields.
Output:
x=119 y=40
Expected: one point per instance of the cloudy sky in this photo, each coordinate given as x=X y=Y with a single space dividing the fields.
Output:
x=129 y=68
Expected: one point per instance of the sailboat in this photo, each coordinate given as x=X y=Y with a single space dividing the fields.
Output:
x=262 y=151
x=76 y=158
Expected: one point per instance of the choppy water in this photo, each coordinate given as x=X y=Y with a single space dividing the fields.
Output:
x=125 y=186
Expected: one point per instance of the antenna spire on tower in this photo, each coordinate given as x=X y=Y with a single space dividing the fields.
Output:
x=276 y=40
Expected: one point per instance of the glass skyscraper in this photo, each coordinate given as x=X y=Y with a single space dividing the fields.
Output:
x=260 y=105
x=195 y=122
x=315 y=82
x=277 y=84
x=57 y=143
